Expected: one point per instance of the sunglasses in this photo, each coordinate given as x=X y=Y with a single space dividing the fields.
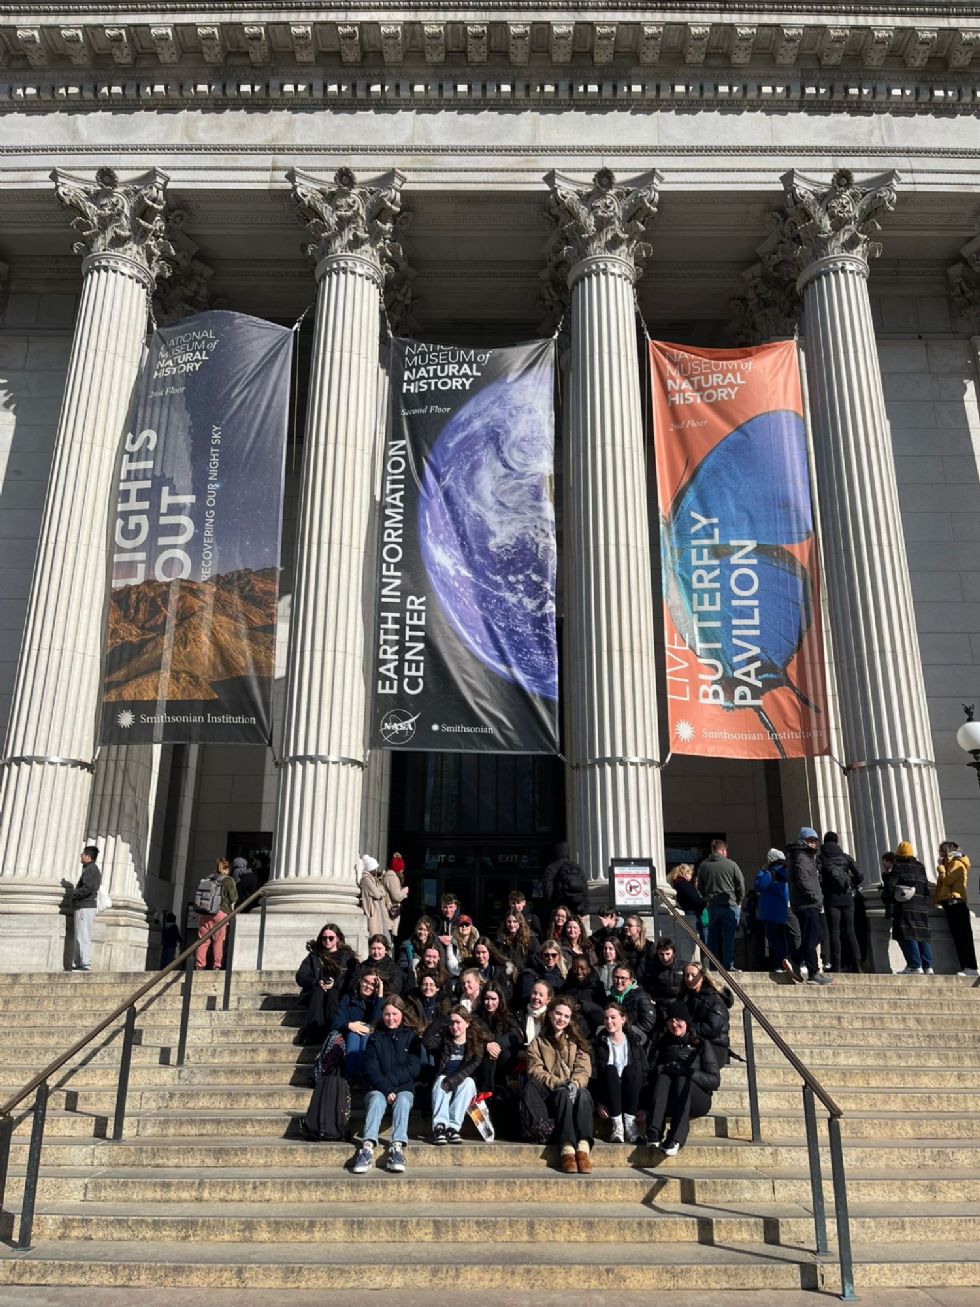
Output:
x=549 y=955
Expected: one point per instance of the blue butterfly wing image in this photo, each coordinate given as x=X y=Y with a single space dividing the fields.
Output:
x=756 y=483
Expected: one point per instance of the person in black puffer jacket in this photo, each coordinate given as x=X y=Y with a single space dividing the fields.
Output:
x=661 y=976
x=708 y=1006
x=806 y=900
x=379 y=959
x=839 y=881
x=566 y=882
x=547 y=964
x=684 y=1074
x=582 y=985
x=907 y=889
x=635 y=1002
x=324 y=977
x=392 y=1061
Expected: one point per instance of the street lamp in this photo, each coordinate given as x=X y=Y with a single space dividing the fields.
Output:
x=968 y=738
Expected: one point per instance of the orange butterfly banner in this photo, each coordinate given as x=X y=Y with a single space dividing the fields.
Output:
x=744 y=651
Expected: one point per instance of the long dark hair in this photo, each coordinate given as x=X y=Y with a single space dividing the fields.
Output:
x=496 y=1022
x=476 y=1040
x=574 y=1028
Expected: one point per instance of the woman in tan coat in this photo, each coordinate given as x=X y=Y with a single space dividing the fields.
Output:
x=374 y=898
x=556 y=1103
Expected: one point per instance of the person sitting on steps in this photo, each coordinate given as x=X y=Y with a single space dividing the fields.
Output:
x=392 y=1062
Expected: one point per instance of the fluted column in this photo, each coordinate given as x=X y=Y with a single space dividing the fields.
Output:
x=610 y=681
x=47 y=774
x=882 y=702
x=324 y=743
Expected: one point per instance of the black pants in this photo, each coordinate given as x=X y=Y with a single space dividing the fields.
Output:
x=620 y=1095
x=679 y=1100
x=840 y=922
x=809 y=919
x=961 y=928
x=573 y=1120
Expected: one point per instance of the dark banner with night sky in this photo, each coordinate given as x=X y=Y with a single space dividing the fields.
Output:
x=465 y=651
x=191 y=638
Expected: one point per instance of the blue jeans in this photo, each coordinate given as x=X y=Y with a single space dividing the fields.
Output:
x=376 y=1104
x=449 y=1109
x=723 y=921
x=918 y=952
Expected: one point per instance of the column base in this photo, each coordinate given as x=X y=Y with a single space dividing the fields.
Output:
x=297 y=910
x=37 y=931
x=885 y=954
x=120 y=938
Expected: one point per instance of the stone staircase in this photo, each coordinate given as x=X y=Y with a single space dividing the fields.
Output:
x=212 y=1187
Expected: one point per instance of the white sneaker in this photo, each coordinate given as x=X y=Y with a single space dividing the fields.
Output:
x=669 y=1148
x=616 y=1135
x=930 y=971
x=364 y=1159
x=968 y=971
x=804 y=972
x=631 y=1129
x=910 y=971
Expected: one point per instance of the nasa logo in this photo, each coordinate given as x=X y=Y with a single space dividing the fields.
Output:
x=398 y=726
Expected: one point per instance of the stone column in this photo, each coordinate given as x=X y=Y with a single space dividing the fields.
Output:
x=882 y=703
x=47 y=773
x=610 y=677
x=318 y=827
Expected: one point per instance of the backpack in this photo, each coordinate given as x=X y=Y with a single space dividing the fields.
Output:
x=102 y=900
x=328 y=1114
x=207 y=898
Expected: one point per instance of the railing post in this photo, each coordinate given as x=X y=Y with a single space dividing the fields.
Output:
x=261 y=948
x=6 y=1132
x=840 y=1210
x=750 y=1071
x=185 y=1010
x=122 y=1088
x=33 y=1166
x=816 y=1179
x=229 y=963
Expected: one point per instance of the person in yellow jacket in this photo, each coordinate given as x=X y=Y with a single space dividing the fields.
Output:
x=950 y=895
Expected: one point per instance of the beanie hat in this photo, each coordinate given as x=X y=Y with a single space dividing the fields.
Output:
x=775 y=855
x=905 y=850
x=239 y=864
x=807 y=833
x=677 y=1011
x=369 y=863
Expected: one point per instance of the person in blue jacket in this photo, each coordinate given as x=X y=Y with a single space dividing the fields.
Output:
x=772 y=887
x=392 y=1062
x=356 y=1017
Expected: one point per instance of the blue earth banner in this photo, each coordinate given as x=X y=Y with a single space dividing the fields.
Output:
x=195 y=536
x=465 y=646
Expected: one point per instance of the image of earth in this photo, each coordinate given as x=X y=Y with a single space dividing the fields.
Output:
x=487 y=528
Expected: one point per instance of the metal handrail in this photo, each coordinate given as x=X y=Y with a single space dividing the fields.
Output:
x=812 y=1090
x=805 y=1074
x=39 y=1082
x=7 y=1107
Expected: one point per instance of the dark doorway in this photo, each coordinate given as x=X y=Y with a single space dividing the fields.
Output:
x=476 y=825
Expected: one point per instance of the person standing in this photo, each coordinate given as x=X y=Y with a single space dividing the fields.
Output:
x=228 y=891
x=396 y=889
x=374 y=898
x=721 y=883
x=806 y=900
x=840 y=879
x=908 y=889
x=690 y=902
x=566 y=882
x=772 y=887
x=950 y=895
x=84 y=902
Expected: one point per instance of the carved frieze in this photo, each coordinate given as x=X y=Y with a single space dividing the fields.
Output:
x=304 y=42
x=519 y=42
x=257 y=43
x=561 y=37
x=651 y=42
x=603 y=43
x=164 y=44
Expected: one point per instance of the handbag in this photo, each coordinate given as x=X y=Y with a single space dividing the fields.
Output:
x=102 y=900
x=903 y=893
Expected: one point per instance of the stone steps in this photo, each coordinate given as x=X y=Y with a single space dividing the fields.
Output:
x=211 y=1188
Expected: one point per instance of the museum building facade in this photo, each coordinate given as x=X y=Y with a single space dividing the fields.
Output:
x=484 y=177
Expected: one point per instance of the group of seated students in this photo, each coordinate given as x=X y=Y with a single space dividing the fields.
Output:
x=553 y=1029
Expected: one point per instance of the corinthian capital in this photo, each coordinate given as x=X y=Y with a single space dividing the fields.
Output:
x=344 y=218
x=604 y=219
x=112 y=218
x=830 y=222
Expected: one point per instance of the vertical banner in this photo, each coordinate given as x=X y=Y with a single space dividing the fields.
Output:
x=744 y=653
x=191 y=638
x=465 y=656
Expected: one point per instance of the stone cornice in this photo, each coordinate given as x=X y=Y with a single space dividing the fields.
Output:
x=574 y=37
